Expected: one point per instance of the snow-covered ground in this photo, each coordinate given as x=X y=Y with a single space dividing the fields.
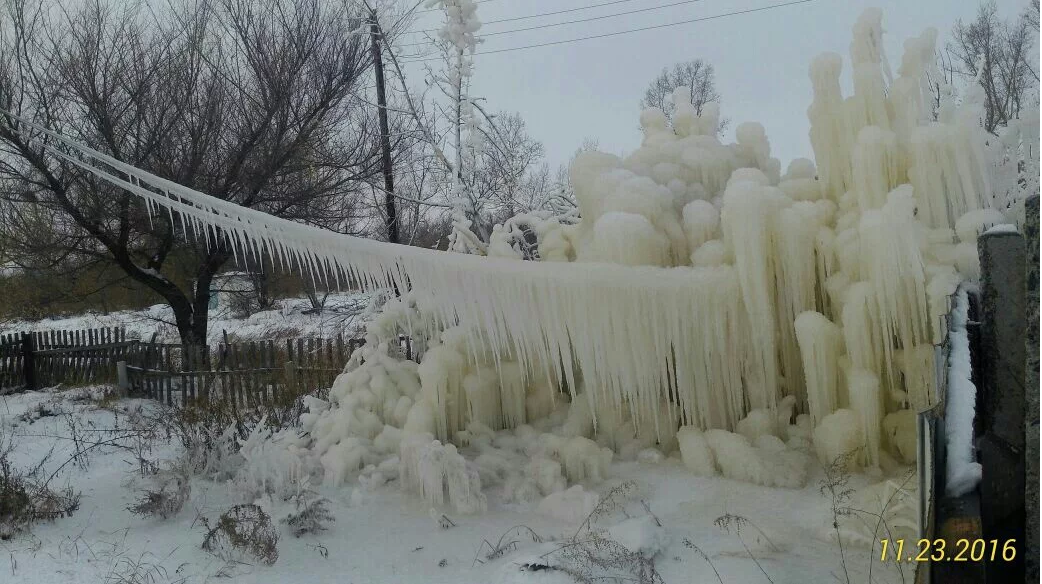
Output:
x=384 y=536
x=287 y=320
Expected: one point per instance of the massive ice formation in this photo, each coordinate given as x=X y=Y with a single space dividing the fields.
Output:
x=701 y=287
x=825 y=284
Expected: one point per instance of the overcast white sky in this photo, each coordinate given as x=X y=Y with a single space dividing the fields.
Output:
x=591 y=89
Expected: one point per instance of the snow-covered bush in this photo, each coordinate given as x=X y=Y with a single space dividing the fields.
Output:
x=243 y=533
x=210 y=447
x=438 y=474
x=625 y=550
x=310 y=516
x=171 y=489
x=534 y=236
x=43 y=409
x=272 y=464
x=601 y=556
x=26 y=498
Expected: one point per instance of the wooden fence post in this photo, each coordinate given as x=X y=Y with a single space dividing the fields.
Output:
x=28 y=365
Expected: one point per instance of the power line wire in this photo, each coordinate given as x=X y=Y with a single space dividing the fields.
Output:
x=621 y=32
x=564 y=11
x=576 y=21
x=540 y=15
x=439 y=9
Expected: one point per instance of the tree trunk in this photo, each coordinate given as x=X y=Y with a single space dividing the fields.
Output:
x=200 y=306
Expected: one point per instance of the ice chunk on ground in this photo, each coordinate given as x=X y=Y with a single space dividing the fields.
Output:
x=642 y=535
x=838 y=435
x=768 y=462
x=901 y=434
x=695 y=451
x=572 y=506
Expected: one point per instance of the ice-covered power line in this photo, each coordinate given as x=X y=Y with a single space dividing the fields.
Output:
x=575 y=21
x=632 y=30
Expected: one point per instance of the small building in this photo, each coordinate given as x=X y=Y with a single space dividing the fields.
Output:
x=232 y=293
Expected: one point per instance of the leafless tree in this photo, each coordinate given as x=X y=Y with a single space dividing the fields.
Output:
x=998 y=54
x=251 y=101
x=510 y=176
x=1031 y=14
x=421 y=204
x=504 y=177
x=697 y=75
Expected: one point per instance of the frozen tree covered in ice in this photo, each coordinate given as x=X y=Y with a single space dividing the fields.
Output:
x=458 y=42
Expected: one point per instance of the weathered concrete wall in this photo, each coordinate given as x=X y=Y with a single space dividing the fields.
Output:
x=1002 y=397
x=1031 y=551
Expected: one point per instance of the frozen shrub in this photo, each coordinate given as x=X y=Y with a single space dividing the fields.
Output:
x=44 y=409
x=311 y=516
x=172 y=489
x=209 y=430
x=224 y=441
x=597 y=558
x=144 y=569
x=624 y=552
x=507 y=543
x=15 y=503
x=243 y=532
x=440 y=475
x=25 y=500
x=273 y=465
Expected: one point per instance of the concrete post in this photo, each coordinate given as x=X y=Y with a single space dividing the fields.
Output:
x=291 y=377
x=122 y=380
x=1002 y=399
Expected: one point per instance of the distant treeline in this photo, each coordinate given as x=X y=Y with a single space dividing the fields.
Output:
x=66 y=290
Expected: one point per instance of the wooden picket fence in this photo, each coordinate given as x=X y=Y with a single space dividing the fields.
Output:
x=79 y=357
x=38 y=359
x=243 y=373
x=12 y=363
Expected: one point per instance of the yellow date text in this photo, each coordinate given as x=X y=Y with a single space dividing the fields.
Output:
x=939 y=550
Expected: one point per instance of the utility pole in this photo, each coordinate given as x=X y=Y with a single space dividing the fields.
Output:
x=390 y=207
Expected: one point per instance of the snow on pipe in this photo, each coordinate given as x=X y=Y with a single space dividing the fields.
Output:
x=962 y=471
